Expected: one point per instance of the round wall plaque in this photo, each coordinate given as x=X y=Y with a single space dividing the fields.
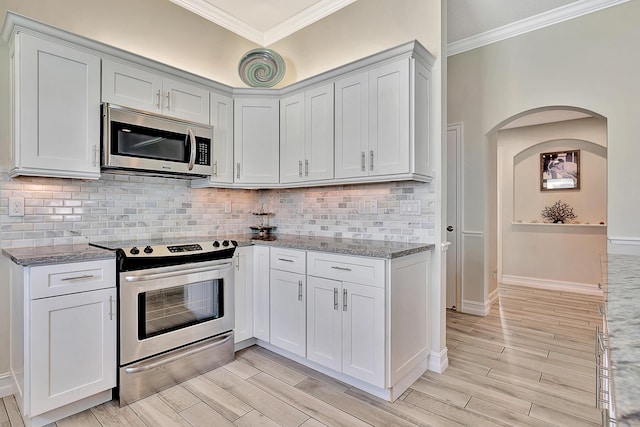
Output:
x=261 y=68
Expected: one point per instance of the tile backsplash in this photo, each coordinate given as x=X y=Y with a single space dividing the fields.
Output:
x=122 y=207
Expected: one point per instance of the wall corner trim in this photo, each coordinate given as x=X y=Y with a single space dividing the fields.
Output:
x=6 y=385
x=438 y=361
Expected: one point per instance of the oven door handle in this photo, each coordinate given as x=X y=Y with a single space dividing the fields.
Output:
x=222 y=339
x=181 y=272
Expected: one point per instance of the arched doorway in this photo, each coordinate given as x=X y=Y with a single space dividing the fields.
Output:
x=524 y=248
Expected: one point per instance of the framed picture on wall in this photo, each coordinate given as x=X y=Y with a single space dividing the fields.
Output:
x=560 y=170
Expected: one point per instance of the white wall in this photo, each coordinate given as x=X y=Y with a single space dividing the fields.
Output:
x=547 y=254
x=586 y=62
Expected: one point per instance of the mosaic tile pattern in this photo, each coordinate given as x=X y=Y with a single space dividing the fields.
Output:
x=129 y=207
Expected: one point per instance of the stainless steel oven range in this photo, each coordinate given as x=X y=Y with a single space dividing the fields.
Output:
x=176 y=313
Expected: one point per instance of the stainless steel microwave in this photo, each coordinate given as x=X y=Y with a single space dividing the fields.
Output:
x=139 y=141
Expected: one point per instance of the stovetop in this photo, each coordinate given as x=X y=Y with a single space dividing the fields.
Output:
x=150 y=253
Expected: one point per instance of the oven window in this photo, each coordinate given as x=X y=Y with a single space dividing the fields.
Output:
x=178 y=307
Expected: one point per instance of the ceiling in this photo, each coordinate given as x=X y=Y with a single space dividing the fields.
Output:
x=470 y=23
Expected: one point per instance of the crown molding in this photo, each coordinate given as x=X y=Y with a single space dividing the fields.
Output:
x=306 y=17
x=295 y=23
x=533 y=23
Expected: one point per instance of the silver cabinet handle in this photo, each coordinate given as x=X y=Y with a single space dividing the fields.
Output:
x=371 y=164
x=84 y=276
x=363 y=159
x=344 y=300
x=299 y=290
x=215 y=168
x=192 y=151
x=95 y=155
x=238 y=262
x=300 y=168
x=110 y=308
x=335 y=298
x=306 y=167
x=168 y=100
x=285 y=260
x=158 y=99
x=238 y=170
x=335 y=267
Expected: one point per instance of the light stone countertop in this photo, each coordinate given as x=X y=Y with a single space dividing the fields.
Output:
x=357 y=247
x=623 y=321
x=367 y=248
x=56 y=254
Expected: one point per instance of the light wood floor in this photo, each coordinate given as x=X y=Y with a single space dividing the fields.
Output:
x=530 y=362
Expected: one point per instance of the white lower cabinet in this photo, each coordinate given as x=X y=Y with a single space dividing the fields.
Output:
x=287 y=304
x=243 y=293
x=288 y=308
x=363 y=320
x=345 y=328
x=63 y=338
x=261 y=292
x=72 y=348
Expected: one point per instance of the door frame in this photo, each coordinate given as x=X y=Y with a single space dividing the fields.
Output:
x=458 y=128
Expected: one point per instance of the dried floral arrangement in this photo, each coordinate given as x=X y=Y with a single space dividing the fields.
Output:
x=559 y=212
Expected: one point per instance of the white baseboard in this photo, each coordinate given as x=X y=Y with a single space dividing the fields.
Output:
x=553 y=285
x=6 y=385
x=476 y=307
x=623 y=245
x=438 y=362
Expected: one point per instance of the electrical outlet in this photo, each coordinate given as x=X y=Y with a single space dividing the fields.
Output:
x=300 y=207
x=361 y=206
x=373 y=206
x=16 y=206
x=227 y=207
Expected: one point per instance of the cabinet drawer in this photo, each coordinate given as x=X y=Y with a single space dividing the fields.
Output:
x=366 y=271
x=62 y=279
x=288 y=260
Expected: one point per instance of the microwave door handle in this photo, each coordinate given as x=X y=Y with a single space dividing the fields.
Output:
x=192 y=144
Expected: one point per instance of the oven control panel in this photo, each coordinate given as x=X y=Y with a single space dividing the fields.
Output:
x=146 y=251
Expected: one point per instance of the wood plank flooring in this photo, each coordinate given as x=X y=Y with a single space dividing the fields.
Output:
x=529 y=363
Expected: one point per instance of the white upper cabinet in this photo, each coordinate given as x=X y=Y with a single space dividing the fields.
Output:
x=56 y=109
x=144 y=90
x=222 y=122
x=256 y=141
x=382 y=122
x=306 y=135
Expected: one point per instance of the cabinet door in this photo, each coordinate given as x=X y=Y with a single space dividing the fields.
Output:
x=351 y=126
x=389 y=119
x=319 y=133
x=363 y=351
x=287 y=308
x=73 y=348
x=222 y=122
x=57 y=109
x=185 y=101
x=292 y=138
x=131 y=87
x=243 y=287
x=256 y=141
x=324 y=324
x=261 y=292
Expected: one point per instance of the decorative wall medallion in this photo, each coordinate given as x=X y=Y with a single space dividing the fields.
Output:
x=261 y=68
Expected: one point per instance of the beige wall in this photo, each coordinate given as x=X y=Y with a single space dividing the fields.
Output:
x=586 y=62
x=162 y=31
x=165 y=32
x=546 y=254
